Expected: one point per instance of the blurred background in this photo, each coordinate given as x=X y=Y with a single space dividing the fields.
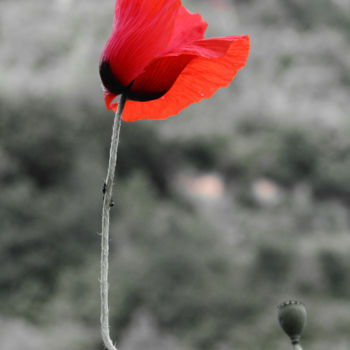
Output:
x=224 y=211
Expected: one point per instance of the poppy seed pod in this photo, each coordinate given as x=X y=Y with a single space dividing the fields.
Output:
x=292 y=318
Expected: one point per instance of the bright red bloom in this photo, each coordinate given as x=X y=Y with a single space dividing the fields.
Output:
x=157 y=56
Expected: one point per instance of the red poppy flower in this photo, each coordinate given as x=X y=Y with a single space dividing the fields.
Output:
x=157 y=56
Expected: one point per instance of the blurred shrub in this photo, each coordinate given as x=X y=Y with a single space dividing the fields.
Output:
x=44 y=208
x=176 y=264
x=203 y=153
x=209 y=289
x=166 y=260
x=289 y=155
x=296 y=156
x=34 y=135
x=142 y=149
x=272 y=264
x=335 y=268
x=333 y=169
x=52 y=175
x=312 y=13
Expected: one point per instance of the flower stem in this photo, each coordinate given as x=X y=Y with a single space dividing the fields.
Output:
x=297 y=346
x=107 y=204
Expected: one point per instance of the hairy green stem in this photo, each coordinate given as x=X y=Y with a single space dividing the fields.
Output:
x=107 y=204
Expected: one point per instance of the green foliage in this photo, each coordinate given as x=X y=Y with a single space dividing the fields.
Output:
x=313 y=13
x=168 y=278
x=143 y=149
x=31 y=141
x=204 y=154
x=335 y=268
x=290 y=155
x=210 y=273
x=272 y=263
x=166 y=257
x=42 y=210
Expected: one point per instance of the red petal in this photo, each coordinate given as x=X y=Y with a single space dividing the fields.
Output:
x=160 y=75
x=189 y=27
x=109 y=97
x=162 y=72
x=142 y=30
x=215 y=65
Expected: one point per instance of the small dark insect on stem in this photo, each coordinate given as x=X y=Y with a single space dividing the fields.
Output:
x=104 y=188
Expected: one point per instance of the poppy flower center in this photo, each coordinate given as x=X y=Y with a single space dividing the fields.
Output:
x=109 y=81
x=154 y=82
x=113 y=85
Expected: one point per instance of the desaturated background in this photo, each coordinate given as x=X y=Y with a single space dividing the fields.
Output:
x=222 y=212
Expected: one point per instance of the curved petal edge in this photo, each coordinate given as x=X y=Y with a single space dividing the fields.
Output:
x=201 y=78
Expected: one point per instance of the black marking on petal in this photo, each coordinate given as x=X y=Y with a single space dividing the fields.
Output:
x=144 y=96
x=113 y=85
x=109 y=81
